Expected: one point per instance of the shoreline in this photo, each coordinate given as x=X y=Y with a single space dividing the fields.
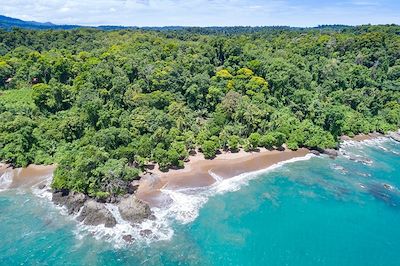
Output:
x=194 y=174
x=28 y=177
x=160 y=194
x=200 y=172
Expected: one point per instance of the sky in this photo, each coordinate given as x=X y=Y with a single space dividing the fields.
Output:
x=205 y=12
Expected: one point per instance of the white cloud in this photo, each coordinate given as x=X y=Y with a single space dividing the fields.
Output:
x=203 y=12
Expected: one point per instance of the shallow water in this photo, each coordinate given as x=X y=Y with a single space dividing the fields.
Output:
x=312 y=212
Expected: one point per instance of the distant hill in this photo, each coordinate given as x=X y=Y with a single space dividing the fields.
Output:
x=8 y=23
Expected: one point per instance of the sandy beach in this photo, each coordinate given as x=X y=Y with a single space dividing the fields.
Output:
x=362 y=137
x=198 y=171
x=29 y=176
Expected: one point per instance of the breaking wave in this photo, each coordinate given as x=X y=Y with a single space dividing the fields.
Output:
x=187 y=202
x=184 y=204
x=5 y=180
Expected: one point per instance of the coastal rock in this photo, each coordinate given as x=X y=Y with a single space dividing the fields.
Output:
x=41 y=186
x=72 y=201
x=133 y=186
x=145 y=233
x=375 y=134
x=345 y=138
x=60 y=197
x=395 y=136
x=331 y=153
x=112 y=199
x=315 y=152
x=75 y=202
x=128 y=238
x=95 y=213
x=133 y=210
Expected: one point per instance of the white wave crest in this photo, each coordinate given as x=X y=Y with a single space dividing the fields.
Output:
x=184 y=208
x=216 y=177
x=156 y=229
x=6 y=179
x=146 y=232
x=45 y=192
x=368 y=142
x=186 y=203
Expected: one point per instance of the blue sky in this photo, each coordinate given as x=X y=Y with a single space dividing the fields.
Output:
x=205 y=12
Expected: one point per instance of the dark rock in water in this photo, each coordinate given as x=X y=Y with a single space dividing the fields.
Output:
x=387 y=186
x=133 y=186
x=315 y=152
x=128 y=238
x=345 y=138
x=375 y=134
x=386 y=193
x=133 y=210
x=359 y=159
x=395 y=136
x=72 y=201
x=145 y=232
x=95 y=213
x=110 y=199
x=41 y=186
x=75 y=202
x=331 y=152
x=60 y=197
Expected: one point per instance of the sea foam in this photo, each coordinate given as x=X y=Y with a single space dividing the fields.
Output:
x=183 y=208
x=187 y=202
x=5 y=180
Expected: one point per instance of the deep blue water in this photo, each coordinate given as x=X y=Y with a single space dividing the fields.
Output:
x=315 y=212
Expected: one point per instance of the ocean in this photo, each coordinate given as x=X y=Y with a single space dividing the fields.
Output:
x=309 y=211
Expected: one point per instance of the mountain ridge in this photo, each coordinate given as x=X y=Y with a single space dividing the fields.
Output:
x=10 y=22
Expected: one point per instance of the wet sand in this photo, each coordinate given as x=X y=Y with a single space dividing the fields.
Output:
x=3 y=168
x=362 y=137
x=197 y=171
x=30 y=176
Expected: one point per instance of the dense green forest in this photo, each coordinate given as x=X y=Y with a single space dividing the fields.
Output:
x=103 y=104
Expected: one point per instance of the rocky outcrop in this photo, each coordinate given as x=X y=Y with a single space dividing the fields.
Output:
x=128 y=238
x=133 y=186
x=395 y=136
x=315 y=152
x=59 y=197
x=133 y=210
x=145 y=233
x=345 y=138
x=331 y=153
x=72 y=201
x=95 y=213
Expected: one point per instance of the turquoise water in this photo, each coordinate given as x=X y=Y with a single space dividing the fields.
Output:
x=314 y=212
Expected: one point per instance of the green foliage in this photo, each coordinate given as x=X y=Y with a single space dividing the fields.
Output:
x=51 y=98
x=104 y=104
x=311 y=136
x=233 y=143
x=268 y=141
x=209 y=149
x=17 y=101
x=254 y=140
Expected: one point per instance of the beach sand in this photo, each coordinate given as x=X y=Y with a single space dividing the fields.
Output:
x=3 y=168
x=362 y=137
x=197 y=171
x=28 y=177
